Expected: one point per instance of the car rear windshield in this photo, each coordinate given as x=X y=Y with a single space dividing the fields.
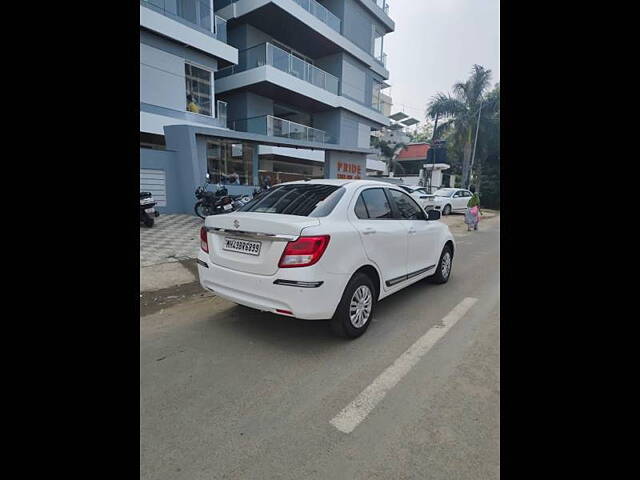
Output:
x=311 y=200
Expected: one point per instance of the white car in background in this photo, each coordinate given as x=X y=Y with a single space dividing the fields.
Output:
x=324 y=249
x=448 y=200
x=420 y=195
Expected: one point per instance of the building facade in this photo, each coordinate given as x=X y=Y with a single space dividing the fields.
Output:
x=250 y=89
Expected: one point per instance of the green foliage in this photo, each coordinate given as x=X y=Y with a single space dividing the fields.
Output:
x=424 y=133
x=389 y=153
x=457 y=120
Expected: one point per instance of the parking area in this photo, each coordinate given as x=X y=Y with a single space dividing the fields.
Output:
x=171 y=239
x=175 y=237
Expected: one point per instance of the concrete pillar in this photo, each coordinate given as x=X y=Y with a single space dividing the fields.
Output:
x=345 y=165
x=255 y=158
x=191 y=163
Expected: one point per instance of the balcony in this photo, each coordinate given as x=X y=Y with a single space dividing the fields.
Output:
x=383 y=5
x=382 y=58
x=321 y=13
x=279 y=127
x=268 y=54
x=194 y=13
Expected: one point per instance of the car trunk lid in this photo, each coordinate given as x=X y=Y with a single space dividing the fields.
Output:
x=252 y=242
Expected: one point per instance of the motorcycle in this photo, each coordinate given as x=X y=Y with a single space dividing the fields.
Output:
x=240 y=201
x=212 y=203
x=261 y=190
x=147 y=210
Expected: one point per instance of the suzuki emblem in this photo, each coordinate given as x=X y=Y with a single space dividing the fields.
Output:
x=236 y=223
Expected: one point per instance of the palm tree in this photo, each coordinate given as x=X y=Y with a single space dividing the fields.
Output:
x=389 y=152
x=460 y=113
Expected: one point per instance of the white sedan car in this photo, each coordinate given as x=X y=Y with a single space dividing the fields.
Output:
x=448 y=200
x=324 y=249
x=420 y=195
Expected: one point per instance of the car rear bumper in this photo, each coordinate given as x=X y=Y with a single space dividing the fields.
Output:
x=300 y=291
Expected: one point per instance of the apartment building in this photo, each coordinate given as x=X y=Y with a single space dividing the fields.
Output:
x=246 y=89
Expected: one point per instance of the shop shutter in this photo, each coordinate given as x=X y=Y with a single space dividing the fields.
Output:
x=154 y=181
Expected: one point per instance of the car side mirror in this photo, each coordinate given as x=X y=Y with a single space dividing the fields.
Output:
x=433 y=215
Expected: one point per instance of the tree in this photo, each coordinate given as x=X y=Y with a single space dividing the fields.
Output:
x=460 y=113
x=422 y=133
x=389 y=150
x=487 y=168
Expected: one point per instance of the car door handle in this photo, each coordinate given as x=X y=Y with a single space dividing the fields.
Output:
x=412 y=231
x=368 y=231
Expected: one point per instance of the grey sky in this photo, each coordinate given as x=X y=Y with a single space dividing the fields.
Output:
x=435 y=44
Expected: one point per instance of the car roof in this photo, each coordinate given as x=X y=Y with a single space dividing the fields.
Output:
x=338 y=182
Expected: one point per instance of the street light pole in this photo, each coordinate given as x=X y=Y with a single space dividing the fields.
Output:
x=475 y=142
x=433 y=138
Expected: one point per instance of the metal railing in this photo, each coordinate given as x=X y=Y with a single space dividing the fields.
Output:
x=196 y=13
x=320 y=12
x=269 y=54
x=384 y=6
x=279 y=127
x=382 y=59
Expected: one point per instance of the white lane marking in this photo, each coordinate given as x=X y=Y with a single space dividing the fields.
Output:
x=354 y=413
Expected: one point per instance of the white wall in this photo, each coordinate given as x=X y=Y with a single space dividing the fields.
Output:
x=364 y=135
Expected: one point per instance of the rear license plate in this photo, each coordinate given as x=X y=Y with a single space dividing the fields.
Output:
x=150 y=210
x=241 y=246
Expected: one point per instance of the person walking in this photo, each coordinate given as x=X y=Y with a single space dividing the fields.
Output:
x=472 y=215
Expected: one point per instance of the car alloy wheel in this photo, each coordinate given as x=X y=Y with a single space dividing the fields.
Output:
x=360 y=306
x=445 y=267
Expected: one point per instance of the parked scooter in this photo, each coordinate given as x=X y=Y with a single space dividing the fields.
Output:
x=147 y=210
x=212 y=203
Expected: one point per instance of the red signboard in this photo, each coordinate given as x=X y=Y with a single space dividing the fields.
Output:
x=349 y=170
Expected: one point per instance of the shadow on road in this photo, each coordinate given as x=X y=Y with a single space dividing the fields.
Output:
x=290 y=334
x=306 y=336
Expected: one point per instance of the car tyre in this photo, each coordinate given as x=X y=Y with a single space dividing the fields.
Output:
x=346 y=321
x=443 y=269
x=446 y=210
x=148 y=222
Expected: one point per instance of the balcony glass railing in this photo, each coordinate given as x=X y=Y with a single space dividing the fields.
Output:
x=320 y=12
x=268 y=54
x=382 y=58
x=279 y=127
x=384 y=6
x=198 y=14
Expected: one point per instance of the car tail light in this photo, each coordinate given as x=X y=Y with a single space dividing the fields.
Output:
x=204 y=242
x=304 y=252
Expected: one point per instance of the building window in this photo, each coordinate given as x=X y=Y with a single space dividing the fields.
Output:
x=281 y=169
x=376 y=95
x=230 y=163
x=377 y=43
x=199 y=89
x=152 y=141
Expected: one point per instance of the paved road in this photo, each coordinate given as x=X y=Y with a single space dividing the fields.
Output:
x=226 y=392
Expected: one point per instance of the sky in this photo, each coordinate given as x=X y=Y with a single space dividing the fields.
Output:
x=435 y=44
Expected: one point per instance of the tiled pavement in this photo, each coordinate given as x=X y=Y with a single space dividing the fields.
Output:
x=172 y=238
